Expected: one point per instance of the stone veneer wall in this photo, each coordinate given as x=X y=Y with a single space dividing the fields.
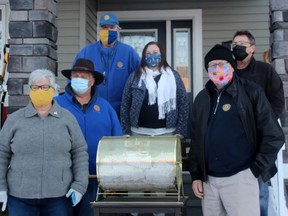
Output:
x=33 y=36
x=279 y=49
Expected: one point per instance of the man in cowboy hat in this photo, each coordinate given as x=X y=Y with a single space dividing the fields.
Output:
x=95 y=116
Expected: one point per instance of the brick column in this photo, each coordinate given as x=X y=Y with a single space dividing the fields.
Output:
x=279 y=48
x=33 y=36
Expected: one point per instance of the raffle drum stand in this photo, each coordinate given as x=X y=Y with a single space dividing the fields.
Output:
x=139 y=174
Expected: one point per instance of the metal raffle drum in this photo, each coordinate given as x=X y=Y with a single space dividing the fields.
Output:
x=139 y=163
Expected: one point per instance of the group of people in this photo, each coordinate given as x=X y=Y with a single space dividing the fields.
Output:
x=48 y=148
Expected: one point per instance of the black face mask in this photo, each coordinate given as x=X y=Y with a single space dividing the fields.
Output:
x=240 y=52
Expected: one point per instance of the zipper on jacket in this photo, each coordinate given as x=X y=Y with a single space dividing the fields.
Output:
x=43 y=122
x=218 y=99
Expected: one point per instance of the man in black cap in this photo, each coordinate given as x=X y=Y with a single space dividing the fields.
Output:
x=235 y=139
x=95 y=116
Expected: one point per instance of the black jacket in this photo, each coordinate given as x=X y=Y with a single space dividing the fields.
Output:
x=260 y=124
x=266 y=76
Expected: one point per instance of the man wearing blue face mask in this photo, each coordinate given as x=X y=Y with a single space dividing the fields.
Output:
x=114 y=59
x=95 y=116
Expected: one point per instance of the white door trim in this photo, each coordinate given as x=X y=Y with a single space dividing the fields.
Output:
x=168 y=15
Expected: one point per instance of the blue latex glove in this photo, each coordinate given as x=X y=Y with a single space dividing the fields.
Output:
x=3 y=199
x=75 y=196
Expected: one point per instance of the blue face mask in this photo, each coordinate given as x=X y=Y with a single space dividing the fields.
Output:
x=79 y=85
x=153 y=59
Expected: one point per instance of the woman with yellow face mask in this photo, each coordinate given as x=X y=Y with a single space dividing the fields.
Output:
x=41 y=92
x=43 y=155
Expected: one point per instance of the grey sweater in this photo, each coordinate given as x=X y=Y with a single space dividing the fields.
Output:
x=42 y=157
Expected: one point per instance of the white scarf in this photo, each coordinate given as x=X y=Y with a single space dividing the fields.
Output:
x=166 y=91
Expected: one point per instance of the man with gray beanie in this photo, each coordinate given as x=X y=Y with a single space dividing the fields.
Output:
x=235 y=139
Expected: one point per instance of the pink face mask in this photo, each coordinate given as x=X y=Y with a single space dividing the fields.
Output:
x=220 y=76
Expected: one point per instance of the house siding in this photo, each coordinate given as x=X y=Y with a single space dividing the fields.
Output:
x=77 y=27
x=91 y=21
x=68 y=35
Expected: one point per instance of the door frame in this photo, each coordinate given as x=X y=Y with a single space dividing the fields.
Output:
x=161 y=15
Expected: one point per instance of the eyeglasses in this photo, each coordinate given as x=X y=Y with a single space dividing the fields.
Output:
x=240 y=43
x=220 y=64
x=43 y=87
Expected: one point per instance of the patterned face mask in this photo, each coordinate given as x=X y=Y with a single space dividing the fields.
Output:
x=153 y=59
x=220 y=76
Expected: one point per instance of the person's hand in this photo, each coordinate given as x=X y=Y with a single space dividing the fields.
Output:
x=75 y=196
x=197 y=187
x=3 y=199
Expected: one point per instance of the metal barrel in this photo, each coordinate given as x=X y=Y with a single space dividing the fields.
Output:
x=139 y=163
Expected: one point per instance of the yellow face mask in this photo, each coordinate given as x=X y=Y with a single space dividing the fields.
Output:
x=41 y=97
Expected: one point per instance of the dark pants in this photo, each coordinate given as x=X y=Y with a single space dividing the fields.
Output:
x=59 y=206
x=83 y=208
x=264 y=197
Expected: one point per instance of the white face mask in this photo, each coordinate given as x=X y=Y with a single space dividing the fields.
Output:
x=79 y=85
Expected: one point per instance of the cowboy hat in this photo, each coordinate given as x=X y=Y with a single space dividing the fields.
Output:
x=84 y=65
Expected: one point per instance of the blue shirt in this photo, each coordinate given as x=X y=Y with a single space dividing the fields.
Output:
x=97 y=120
